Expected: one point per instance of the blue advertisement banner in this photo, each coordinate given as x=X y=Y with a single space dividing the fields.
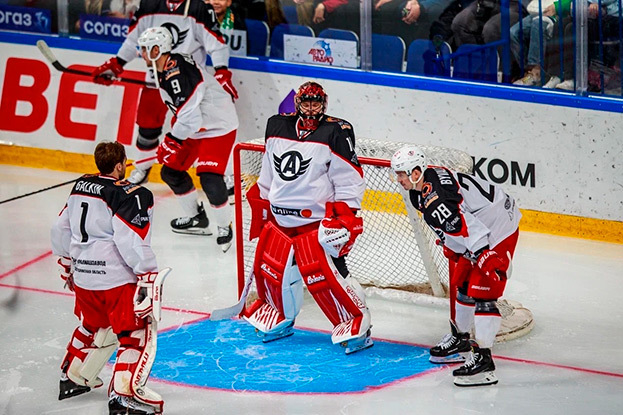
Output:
x=113 y=29
x=25 y=19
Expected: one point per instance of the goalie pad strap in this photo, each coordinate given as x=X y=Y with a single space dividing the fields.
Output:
x=87 y=354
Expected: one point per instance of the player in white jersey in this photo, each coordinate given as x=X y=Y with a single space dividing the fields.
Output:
x=195 y=32
x=311 y=184
x=203 y=131
x=477 y=223
x=102 y=237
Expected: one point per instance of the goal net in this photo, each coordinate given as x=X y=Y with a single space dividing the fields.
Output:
x=396 y=257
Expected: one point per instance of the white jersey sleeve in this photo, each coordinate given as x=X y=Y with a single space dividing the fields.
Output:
x=61 y=234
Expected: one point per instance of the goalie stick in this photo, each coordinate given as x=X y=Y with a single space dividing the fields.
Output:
x=47 y=53
x=236 y=309
x=64 y=183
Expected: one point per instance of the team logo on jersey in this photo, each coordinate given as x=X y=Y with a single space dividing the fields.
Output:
x=290 y=165
x=178 y=35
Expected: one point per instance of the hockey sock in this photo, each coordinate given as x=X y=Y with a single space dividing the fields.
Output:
x=464 y=316
x=189 y=203
x=487 y=323
x=222 y=214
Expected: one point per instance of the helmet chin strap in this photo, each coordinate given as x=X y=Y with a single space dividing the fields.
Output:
x=418 y=180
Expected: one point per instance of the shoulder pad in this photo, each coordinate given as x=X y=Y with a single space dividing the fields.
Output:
x=342 y=123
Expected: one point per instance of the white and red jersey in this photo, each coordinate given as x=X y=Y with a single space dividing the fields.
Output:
x=201 y=107
x=467 y=213
x=105 y=228
x=299 y=176
x=196 y=34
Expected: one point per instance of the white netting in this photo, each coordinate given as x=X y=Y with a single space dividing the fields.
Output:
x=396 y=256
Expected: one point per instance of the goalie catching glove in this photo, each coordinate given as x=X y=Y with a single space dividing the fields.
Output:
x=148 y=294
x=67 y=275
x=105 y=73
x=339 y=229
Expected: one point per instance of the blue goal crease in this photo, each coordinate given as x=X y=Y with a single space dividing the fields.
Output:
x=228 y=355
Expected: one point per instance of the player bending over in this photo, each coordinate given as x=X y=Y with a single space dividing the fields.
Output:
x=196 y=30
x=311 y=184
x=103 y=238
x=203 y=131
x=477 y=223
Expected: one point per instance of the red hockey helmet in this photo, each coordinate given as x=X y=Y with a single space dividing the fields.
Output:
x=311 y=91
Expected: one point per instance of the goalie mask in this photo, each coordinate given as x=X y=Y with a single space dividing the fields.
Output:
x=407 y=159
x=310 y=92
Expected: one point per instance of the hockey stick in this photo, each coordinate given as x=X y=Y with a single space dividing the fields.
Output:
x=236 y=309
x=63 y=184
x=47 y=53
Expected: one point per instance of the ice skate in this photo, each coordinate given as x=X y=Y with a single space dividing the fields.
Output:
x=224 y=238
x=287 y=331
x=197 y=225
x=479 y=370
x=452 y=348
x=359 y=343
x=123 y=405
x=139 y=176
x=68 y=389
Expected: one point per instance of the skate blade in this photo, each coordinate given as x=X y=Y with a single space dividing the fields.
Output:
x=352 y=348
x=267 y=338
x=479 y=379
x=225 y=247
x=453 y=358
x=204 y=232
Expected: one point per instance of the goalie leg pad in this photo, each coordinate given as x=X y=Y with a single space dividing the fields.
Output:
x=279 y=288
x=87 y=353
x=136 y=355
x=342 y=300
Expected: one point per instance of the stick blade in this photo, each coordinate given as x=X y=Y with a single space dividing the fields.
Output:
x=226 y=313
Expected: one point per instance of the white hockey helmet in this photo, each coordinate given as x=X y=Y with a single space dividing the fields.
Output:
x=156 y=36
x=407 y=159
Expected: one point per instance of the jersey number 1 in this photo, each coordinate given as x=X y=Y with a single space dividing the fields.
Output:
x=83 y=220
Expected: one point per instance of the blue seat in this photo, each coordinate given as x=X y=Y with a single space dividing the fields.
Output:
x=257 y=37
x=276 y=39
x=289 y=12
x=339 y=34
x=473 y=63
x=425 y=58
x=388 y=53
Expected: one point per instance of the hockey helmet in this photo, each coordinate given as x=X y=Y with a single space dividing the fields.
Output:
x=156 y=36
x=407 y=159
x=311 y=91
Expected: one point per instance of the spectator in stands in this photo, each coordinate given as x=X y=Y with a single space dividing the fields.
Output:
x=226 y=16
x=409 y=19
x=336 y=14
x=603 y=51
x=529 y=34
x=120 y=8
x=441 y=29
x=481 y=23
x=251 y=9
x=304 y=11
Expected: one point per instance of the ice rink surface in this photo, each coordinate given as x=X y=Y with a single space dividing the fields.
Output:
x=571 y=363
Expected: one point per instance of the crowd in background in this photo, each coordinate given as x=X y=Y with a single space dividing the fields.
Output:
x=541 y=36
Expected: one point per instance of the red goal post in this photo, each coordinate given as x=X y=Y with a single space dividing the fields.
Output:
x=396 y=256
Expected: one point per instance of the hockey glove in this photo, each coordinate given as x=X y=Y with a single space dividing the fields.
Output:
x=491 y=264
x=105 y=73
x=171 y=153
x=223 y=76
x=339 y=229
x=144 y=294
x=67 y=275
x=260 y=211
x=448 y=253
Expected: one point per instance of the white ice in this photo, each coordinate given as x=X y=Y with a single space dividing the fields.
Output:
x=571 y=363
